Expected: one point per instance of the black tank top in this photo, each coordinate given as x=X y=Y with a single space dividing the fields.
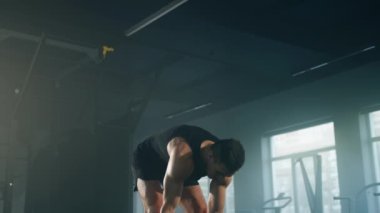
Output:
x=194 y=137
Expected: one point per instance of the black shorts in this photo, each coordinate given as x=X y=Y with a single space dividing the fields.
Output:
x=148 y=165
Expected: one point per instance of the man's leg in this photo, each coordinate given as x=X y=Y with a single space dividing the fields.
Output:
x=151 y=195
x=192 y=200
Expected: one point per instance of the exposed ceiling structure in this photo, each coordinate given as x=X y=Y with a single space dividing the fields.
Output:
x=203 y=57
x=67 y=64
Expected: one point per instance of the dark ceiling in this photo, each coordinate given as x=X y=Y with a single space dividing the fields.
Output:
x=219 y=53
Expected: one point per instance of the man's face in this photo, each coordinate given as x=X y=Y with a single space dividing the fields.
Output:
x=216 y=169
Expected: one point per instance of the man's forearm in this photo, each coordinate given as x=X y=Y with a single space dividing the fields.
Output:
x=172 y=194
x=179 y=167
x=212 y=208
x=216 y=197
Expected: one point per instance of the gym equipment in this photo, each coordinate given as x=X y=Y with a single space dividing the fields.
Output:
x=357 y=202
x=277 y=209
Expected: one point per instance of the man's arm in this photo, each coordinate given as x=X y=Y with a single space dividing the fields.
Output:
x=217 y=194
x=180 y=166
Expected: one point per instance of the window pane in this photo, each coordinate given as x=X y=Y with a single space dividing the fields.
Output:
x=204 y=183
x=282 y=181
x=374 y=119
x=230 y=198
x=303 y=205
x=376 y=155
x=330 y=182
x=303 y=140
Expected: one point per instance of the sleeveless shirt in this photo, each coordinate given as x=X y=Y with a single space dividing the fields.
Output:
x=193 y=136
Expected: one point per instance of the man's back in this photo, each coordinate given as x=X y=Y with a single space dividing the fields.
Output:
x=152 y=155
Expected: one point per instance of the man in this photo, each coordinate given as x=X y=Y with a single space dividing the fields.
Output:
x=167 y=168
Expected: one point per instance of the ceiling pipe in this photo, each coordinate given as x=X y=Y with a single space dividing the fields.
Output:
x=333 y=61
x=150 y=19
x=171 y=116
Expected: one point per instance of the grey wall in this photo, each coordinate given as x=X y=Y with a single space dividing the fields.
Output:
x=340 y=97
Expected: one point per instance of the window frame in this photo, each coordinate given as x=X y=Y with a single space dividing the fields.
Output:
x=368 y=142
x=268 y=160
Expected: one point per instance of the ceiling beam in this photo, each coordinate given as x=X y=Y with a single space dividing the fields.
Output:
x=92 y=53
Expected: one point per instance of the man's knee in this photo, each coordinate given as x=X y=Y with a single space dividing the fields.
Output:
x=201 y=208
x=153 y=205
x=195 y=207
x=153 y=208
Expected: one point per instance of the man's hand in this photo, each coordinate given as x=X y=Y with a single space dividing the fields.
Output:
x=217 y=194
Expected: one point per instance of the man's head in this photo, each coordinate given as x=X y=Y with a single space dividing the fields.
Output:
x=226 y=157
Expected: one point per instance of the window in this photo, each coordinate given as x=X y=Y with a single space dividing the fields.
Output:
x=309 y=145
x=374 y=122
x=372 y=156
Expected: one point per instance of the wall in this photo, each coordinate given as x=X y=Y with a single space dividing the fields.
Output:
x=339 y=97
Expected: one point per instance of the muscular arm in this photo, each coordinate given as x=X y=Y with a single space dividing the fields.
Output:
x=179 y=167
x=217 y=194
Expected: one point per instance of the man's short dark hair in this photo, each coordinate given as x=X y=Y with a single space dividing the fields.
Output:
x=231 y=153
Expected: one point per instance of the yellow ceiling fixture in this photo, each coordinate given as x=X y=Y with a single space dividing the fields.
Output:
x=106 y=50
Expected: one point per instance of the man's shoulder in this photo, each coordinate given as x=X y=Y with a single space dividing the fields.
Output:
x=179 y=144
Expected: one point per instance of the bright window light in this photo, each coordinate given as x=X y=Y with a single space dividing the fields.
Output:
x=305 y=143
x=303 y=140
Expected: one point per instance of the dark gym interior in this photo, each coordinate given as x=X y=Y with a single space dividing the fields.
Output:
x=296 y=81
